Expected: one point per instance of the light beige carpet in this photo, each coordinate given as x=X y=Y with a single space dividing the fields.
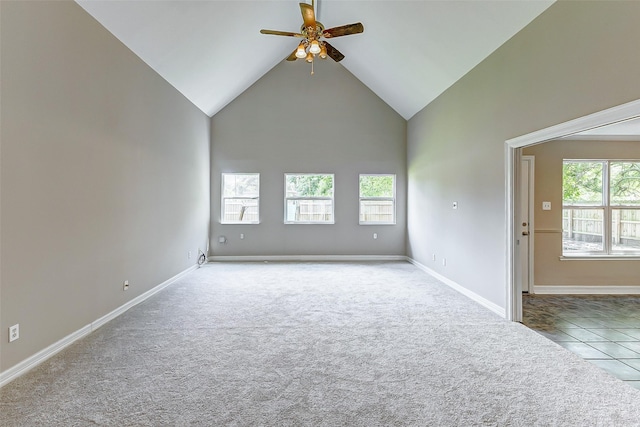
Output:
x=315 y=344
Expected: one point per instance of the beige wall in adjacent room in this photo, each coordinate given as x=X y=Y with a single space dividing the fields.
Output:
x=573 y=60
x=104 y=175
x=548 y=268
x=292 y=122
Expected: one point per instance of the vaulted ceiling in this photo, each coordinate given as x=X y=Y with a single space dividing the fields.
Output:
x=410 y=51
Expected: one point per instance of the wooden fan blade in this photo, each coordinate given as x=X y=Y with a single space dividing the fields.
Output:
x=334 y=53
x=308 y=15
x=281 y=33
x=344 y=30
x=293 y=56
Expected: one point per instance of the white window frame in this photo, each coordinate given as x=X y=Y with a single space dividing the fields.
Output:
x=391 y=199
x=607 y=208
x=223 y=198
x=332 y=198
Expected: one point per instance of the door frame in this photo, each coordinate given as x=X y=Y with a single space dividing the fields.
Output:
x=531 y=195
x=630 y=110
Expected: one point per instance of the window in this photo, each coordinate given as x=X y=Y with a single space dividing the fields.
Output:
x=308 y=199
x=377 y=199
x=240 y=198
x=601 y=207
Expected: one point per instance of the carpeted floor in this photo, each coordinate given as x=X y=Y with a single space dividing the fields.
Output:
x=315 y=344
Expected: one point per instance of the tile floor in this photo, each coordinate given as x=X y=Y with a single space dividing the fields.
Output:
x=603 y=329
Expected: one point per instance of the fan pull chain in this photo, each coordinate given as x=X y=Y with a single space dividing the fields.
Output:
x=312 y=67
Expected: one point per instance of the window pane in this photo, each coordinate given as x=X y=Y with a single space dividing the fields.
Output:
x=240 y=198
x=625 y=183
x=625 y=230
x=376 y=186
x=305 y=185
x=240 y=210
x=309 y=211
x=376 y=211
x=582 y=230
x=582 y=183
x=240 y=185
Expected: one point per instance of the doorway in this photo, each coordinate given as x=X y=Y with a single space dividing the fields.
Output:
x=513 y=171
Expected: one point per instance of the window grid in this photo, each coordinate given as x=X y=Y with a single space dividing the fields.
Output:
x=240 y=202
x=309 y=207
x=377 y=210
x=618 y=225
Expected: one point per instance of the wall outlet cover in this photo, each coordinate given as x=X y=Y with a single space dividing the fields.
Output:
x=14 y=332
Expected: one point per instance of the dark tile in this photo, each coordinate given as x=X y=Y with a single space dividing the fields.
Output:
x=613 y=323
x=611 y=335
x=584 y=350
x=635 y=345
x=565 y=324
x=557 y=336
x=587 y=322
x=584 y=334
x=618 y=369
x=634 y=363
x=615 y=350
x=635 y=332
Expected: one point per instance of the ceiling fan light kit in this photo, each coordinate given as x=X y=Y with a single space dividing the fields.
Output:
x=313 y=35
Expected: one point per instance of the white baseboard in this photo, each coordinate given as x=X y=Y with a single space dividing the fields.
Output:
x=500 y=311
x=586 y=290
x=309 y=258
x=33 y=361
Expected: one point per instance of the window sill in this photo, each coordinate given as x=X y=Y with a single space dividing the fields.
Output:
x=599 y=257
x=239 y=223
x=309 y=223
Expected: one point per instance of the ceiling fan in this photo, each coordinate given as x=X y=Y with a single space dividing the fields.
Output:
x=314 y=35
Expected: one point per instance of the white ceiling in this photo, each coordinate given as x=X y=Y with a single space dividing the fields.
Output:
x=410 y=51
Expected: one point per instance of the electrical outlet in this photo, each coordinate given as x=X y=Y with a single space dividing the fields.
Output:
x=375 y=235
x=241 y=236
x=14 y=332
x=444 y=262
x=433 y=257
x=189 y=254
x=125 y=285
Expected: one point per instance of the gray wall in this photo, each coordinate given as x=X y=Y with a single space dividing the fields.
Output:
x=548 y=268
x=574 y=59
x=290 y=121
x=104 y=175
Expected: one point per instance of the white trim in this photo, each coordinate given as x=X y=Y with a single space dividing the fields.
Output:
x=615 y=114
x=319 y=258
x=308 y=258
x=584 y=257
x=531 y=215
x=586 y=290
x=513 y=303
x=601 y=118
x=464 y=291
x=33 y=361
x=41 y=356
x=140 y=298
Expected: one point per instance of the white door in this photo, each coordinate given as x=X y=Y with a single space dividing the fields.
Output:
x=524 y=226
